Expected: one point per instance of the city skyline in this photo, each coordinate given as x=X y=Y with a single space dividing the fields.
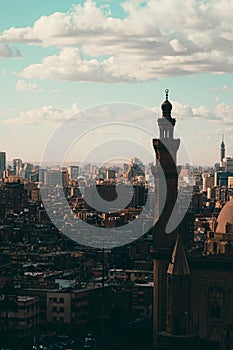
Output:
x=55 y=61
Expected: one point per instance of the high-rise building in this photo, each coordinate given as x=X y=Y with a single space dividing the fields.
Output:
x=228 y=164
x=53 y=178
x=73 y=172
x=27 y=170
x=17 y=166
x=110 y=174
x=2 y=163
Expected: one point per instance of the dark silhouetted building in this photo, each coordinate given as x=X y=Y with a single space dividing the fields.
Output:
x=2 y=163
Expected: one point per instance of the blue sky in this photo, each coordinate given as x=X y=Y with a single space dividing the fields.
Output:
x=59 y=57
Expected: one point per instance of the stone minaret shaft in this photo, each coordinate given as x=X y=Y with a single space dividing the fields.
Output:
x=166 y=180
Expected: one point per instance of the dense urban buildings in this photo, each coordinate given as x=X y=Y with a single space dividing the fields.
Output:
x=164 y=291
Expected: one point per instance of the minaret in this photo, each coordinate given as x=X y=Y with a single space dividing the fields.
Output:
x=180 y=333
x=166 y=176
x=222 y=150
x=178 y=292
x=166 y=180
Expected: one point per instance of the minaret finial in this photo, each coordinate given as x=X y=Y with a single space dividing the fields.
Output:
x=166 y=91
x=222 y=137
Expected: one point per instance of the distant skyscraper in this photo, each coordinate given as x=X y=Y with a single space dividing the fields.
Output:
x=2 y=163
x=222 y=150
x=53 y=178
x=27 y=170
x=17 y=166
x=228 y=164
x=110 y=174
x=73 y=172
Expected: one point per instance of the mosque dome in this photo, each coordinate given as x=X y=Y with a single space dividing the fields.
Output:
x=225 y=219
x=166 y=106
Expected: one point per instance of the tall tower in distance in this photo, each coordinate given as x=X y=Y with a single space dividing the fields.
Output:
x=222 y=150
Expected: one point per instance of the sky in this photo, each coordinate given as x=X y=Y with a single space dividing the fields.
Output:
x=64 y=58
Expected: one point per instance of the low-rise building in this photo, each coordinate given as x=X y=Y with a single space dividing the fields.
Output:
x=74 y=306
x=23 y=317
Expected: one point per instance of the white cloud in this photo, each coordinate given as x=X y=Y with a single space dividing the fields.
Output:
x=8 y=50
x=69 y=65
x=220 y=113
x=152 y=40
x=224 y=88
x=42 y=114
x=177 y=46
x=23 y=85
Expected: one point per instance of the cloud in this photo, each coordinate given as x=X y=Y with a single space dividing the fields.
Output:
x=224 y=88
x=42 y=114
x=220 y=113
x=151 y=41
x=9 y=51
x=23 y=85
x=69 y=65
x=177 y=46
